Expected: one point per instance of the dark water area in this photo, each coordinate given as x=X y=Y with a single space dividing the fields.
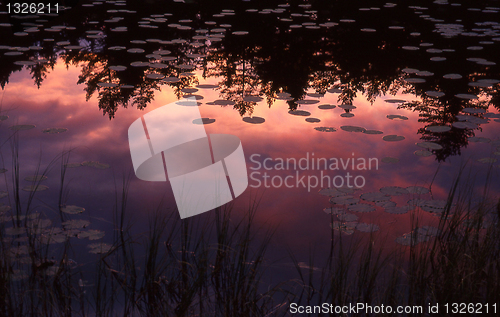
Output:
x=356 y=118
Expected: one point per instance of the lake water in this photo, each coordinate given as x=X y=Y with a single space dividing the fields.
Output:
x=408 y=92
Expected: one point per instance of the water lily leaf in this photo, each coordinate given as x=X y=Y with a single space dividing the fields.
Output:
x=347 y=115
x=350 y=128
x=375 y=197
x=36 y=178
x=91 y=234
x=22 y=127
x=326 y=107
x=325 y=129
x=393 y=138
x=254 y=120
x=203 y=121
x=373 y=132
x=95 y=164
x=417 y=190
x=54 y=130
x=75 y=224
x=423 y=153
x=344 y=200
x=35 y=188
x=438 y=128
x=99 y=248
x=72 y=209
x=299 y=113
x=430 y=145
x=396 y=117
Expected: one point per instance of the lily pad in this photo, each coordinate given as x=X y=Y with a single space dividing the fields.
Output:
x=91 y=234
x=254 y=120
x=203 y=121
x=350 y=128
x=325 y=129
x=75 y=224
x=54 y=130
x=438 y=128
x=95 y=164
x=423 y=153
x=430 y=145
x=326 y=107
x=375 y=197
x=347 y=115
x=252 y=99
x=396 y=117
x=36 y=178
x=417 y=190
x=393 y=138
x=302 y=113
x=22 y=127
x=35 y=188
x=72 y=209
x=99 y=248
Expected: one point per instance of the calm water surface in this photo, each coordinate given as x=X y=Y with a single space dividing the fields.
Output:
x=324 y=80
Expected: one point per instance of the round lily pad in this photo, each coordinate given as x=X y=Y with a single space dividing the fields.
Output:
x=35 y=188
x=22 y=127
x=396 y=117
x=347 y=115
x=95 y=164
x=203 y=121
x=326 y=107
x=75 y=224
x=393 y=138
x=325 y=129
x=72 y=209
x=36 y=178
x=423 y=153
x=375 y=197
x=417 y=190
x=299 y=113
x=430 y=145
x=438 y=128
x=350 y=128
x=54 y=130
x=254 y=120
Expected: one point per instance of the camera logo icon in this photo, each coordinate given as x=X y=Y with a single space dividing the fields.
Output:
x=205 y=170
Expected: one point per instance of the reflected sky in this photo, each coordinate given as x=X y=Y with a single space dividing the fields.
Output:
x=336 y=61
x=298 y=212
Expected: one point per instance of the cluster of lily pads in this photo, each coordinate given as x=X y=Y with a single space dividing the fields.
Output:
x=345 y=202
x=35 y=232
